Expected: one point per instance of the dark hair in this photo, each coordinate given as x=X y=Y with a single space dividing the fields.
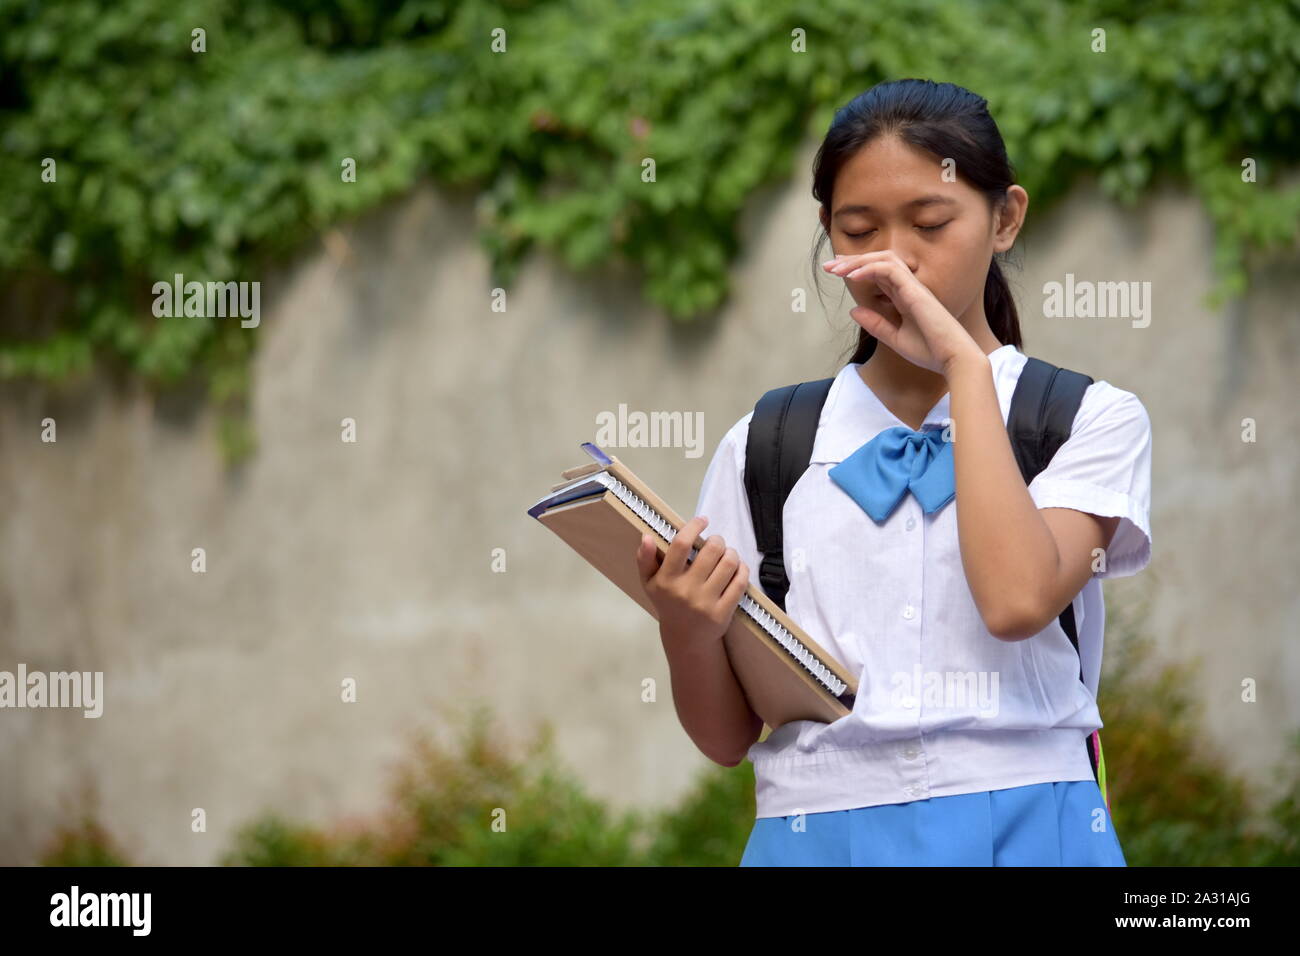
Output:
x=948 y=121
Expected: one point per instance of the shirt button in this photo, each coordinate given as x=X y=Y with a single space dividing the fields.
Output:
x=909 y=754
x=911 y=523
x=909 y=612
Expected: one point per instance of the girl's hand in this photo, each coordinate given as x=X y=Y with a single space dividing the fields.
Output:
x=925 y=333
x=698 y=598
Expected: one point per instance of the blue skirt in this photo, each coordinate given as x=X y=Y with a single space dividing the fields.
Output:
x=1042 y=824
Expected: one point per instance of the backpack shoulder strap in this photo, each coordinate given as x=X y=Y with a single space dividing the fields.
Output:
x=1042 y=412
x=777 y=451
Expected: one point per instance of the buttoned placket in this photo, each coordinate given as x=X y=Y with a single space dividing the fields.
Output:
x=913 y=769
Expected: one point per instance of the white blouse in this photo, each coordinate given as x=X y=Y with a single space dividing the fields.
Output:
x=943 y=707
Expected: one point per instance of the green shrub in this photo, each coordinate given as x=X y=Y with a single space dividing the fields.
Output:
x=86 y=843
x=443 y=810
x=1172 y=801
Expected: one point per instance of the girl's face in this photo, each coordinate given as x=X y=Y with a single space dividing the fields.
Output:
x=895 y=196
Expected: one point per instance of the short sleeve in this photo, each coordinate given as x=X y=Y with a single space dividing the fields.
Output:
x=723 y=499
x=1104 y=469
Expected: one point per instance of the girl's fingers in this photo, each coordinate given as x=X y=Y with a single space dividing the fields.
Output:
x=883 y=271
x=722 y=571
x=841 y=268
x=843 y=263
x=903 y=288
x=890 y=275
x=876 y=324
x=884 y=274
x=647 y=561
x=675 y=557
x=735 y=590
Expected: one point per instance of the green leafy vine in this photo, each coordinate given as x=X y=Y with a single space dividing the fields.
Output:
x=217 y=164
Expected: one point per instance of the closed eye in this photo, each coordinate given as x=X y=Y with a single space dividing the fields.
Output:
x=860 y=235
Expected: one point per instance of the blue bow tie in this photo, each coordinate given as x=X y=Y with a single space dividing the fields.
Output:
x=881 y=472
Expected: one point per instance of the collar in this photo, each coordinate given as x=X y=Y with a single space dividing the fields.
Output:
x=853 y=415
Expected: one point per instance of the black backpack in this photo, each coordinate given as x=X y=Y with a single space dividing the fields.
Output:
x=780 y=444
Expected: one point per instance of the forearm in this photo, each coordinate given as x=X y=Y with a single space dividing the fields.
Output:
x=710 y=702
x=1007 y=550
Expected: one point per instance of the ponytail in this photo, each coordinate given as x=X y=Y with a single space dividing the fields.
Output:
x=1000 y=307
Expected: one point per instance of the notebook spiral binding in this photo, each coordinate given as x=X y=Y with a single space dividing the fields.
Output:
x=792 y=645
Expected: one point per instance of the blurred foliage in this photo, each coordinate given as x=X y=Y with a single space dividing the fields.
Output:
x=87 y=843
x=217 y=165
x=1173 y=801
x=479 y=806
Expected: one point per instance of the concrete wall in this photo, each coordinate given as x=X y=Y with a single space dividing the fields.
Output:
x=373 y=560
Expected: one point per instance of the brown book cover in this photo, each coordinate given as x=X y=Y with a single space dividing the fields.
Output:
x=602 y=509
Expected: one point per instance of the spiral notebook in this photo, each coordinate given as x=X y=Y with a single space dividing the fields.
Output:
x=602 y=509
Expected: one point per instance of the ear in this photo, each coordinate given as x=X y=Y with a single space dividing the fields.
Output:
x=1009 y=216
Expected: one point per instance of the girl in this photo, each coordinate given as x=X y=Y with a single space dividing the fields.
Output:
x=920 y=561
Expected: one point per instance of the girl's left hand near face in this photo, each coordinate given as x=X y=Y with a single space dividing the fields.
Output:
x=925 y=332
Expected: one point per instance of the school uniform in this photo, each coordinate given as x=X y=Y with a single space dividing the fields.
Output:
x=962 y=749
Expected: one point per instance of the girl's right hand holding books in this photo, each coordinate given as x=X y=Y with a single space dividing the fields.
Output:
x=696 y=598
